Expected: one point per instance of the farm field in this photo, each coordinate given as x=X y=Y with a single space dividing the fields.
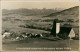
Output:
x=67 y=45
x=13 y=25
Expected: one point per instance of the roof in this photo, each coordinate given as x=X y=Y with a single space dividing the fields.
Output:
x=68 y=29
x=64 y=30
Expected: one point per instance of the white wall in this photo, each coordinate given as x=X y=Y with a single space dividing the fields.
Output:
x=72 y=33
x=57 y=28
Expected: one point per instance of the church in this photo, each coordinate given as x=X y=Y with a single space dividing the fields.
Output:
x=62 y=32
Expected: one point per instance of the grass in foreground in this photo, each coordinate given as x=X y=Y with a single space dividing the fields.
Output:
x=40 y=43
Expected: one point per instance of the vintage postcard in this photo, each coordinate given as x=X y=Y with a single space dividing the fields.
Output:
x=40 y=25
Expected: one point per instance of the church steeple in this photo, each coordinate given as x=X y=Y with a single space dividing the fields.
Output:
x=56 y=28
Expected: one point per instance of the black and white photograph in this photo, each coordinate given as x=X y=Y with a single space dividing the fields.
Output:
x=40 y=26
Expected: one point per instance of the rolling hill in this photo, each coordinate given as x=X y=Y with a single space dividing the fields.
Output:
x=67 y=16
x=72 y=12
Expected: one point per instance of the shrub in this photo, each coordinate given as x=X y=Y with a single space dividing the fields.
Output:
x=14 y=35
x=67 y=25
x=75 y=38
x=63 y=36
x=70 y=20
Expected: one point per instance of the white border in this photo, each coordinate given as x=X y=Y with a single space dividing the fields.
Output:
x=46 y=0
x=35 y=1
x=0 y=27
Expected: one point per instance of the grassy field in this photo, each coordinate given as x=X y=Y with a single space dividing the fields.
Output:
x=13 y=25
x=45 y=45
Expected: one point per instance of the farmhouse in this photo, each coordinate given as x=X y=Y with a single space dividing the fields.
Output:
x=62 y=32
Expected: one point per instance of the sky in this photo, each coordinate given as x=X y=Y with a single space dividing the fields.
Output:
x=37 y=4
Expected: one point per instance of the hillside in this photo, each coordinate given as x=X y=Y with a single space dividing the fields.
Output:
x=70 y=11
x=67 y=13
